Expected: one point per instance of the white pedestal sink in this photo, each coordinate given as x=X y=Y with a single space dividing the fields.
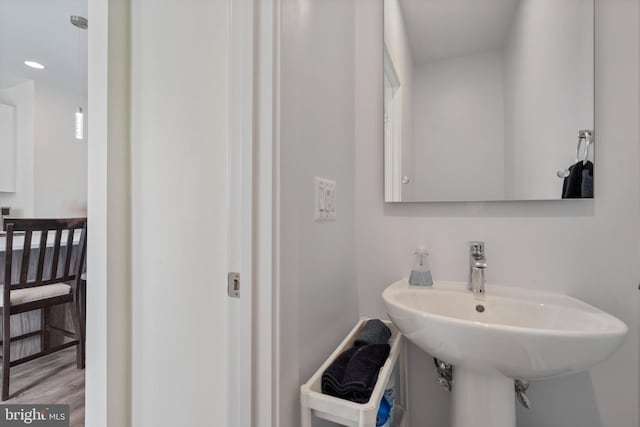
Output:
x=506 y=334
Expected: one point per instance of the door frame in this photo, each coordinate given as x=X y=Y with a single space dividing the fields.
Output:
x=108 y=371
x=267 y=246
x=254 y=122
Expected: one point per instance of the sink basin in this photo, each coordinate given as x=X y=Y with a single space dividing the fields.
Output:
x=492 y=339
x=521 y=333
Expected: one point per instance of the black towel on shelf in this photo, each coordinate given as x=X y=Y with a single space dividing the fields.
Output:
x=373 y=332
x=353 y=375
x=332 y=376
x=572 y=186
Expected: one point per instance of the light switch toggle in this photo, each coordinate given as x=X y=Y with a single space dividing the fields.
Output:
x=325 y=206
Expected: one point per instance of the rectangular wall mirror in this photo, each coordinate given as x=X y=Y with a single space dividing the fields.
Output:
x=488 y=100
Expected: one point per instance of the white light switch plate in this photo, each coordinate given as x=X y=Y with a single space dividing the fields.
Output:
x=325 y=196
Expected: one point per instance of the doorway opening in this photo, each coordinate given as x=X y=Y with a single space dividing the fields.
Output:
x=43 y=174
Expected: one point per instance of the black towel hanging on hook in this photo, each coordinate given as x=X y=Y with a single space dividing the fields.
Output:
x=572 y=186
x=578 y=184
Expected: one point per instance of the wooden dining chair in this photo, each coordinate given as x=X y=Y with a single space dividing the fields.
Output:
x=53 y=280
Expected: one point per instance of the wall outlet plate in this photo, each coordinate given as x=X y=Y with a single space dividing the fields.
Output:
x=325 y=200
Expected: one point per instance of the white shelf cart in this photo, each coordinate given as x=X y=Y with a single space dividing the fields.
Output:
x=314 y=403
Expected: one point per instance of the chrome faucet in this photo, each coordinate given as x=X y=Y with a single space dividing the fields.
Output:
x=477 y=267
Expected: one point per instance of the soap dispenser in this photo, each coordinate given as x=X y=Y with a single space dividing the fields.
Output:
x=421 y=273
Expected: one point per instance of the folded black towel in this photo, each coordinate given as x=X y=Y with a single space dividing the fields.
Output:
x=374 y=332
x=353 y=375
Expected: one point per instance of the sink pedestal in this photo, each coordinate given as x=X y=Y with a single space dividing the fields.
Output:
x=482 y=399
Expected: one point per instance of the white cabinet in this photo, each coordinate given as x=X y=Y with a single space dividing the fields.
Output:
x=7 y=148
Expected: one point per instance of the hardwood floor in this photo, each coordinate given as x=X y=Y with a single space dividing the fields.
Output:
x=53 y=379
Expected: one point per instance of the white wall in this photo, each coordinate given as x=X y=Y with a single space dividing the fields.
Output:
x=60 y=160
x=179 y=212
x=318 y=297
x=7 y=148
x=588 y=249
x=51 y=165
x=459 y=128
x=22 y=97
x=397 y=43
x=549 y=93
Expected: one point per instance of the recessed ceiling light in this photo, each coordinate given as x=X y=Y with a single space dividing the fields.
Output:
x=34 y=64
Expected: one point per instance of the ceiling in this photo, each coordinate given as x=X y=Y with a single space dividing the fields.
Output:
x=445 y=28
x=40 y=30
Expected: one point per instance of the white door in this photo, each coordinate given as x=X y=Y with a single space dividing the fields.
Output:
x=180 y=212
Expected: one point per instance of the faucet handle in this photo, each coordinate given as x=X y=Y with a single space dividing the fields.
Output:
x=476 y=248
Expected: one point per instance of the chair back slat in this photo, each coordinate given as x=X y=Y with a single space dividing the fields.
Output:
x=41 y=255
x=67 y=262
x=82 y=254
x=46 y=262
x=8 y=263
x=56 y=254
x=26 y=255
